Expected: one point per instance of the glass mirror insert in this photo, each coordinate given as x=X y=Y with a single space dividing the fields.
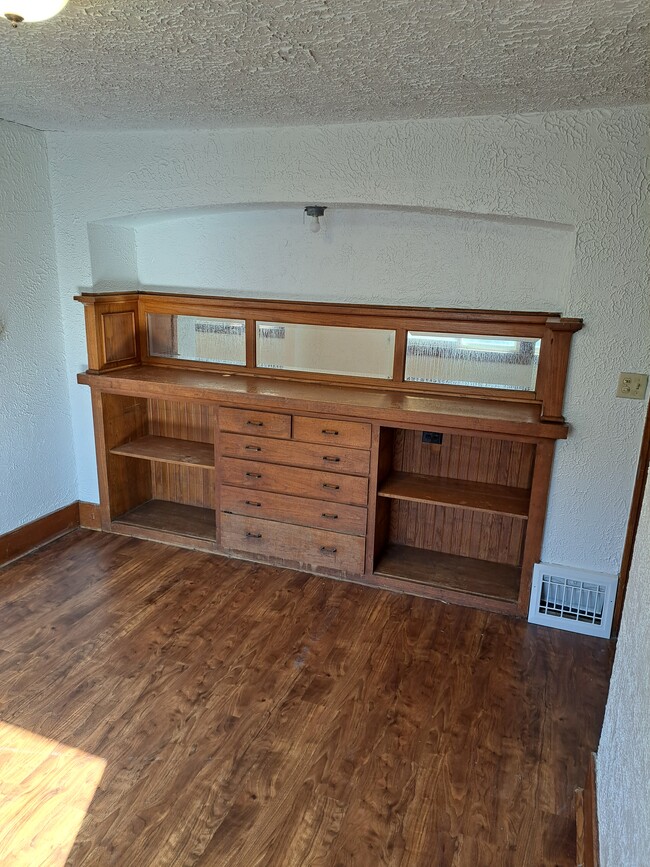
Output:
x=330 y=349
x=472 y=359
x=195 y=338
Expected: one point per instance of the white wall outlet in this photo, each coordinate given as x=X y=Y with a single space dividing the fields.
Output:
x=632 y=385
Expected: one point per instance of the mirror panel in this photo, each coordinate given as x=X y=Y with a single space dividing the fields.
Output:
x=472 y=360
x=328 y=349
x=197 y=338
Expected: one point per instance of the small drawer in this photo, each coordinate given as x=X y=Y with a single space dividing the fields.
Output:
x=295 y=454
x=334 y=487
x=250 y=421
x=302 y=548
x=337 y=517
x=354 y=434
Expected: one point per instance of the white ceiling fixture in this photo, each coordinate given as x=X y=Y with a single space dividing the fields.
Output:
x=233 y=63
x=17 y=11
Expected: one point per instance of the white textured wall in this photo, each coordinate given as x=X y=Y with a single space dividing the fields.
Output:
x=579 y=168
x=623 y=767
x=37 y=467
x=360 y=254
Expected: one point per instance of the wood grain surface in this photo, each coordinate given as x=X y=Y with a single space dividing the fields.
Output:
x=251 y=716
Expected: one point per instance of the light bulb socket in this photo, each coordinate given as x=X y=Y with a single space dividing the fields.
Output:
x=315 y=210
x=15 y=19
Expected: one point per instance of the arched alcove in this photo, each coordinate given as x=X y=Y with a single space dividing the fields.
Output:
x=364 y=253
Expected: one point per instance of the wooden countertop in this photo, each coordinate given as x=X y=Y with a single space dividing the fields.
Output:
x=513 y=418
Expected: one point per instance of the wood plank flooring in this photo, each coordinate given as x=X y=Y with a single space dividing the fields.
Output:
x=251 y=716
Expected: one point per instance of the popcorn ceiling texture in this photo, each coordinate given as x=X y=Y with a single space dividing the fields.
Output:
x=201 y=64
x=584 y=169
x=623 y=766
x=37 y=465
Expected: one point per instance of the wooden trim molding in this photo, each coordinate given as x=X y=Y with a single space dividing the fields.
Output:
x=587 y=848
x=89 y=516
x=38 y=532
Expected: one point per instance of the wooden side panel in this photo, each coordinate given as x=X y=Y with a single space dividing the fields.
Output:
x=480 y=535
x=181 y=420
x=192 y=486
x=128 y=479
x=120 y=337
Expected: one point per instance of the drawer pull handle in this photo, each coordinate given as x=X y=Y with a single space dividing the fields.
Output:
x=253 y=535
x=329 y=515
x=255 y=423
x=331 y=487
x=253 y=448
x=330 y=433
x=326 y=549
x=252 y=503
x=254 y=475
x=332 y=460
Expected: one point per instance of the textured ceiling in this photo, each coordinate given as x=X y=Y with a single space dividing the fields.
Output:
x=164 y=64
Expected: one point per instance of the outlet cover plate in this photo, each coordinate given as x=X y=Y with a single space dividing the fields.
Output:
x=632 y=385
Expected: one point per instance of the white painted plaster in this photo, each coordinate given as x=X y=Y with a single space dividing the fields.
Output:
x=577 y=168
x=37 y=465
x=436 y=259
x=202 y=64
x=623 y=767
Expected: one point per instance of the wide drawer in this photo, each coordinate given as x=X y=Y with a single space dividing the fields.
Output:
x=336 y=487
x=313 y=455
x=304 y=547
x=338 y=517
x=354 y=434
x=251 y=421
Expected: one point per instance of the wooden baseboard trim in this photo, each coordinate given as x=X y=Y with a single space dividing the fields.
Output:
x=89 y=516
x=37 y=533
x=587 y=848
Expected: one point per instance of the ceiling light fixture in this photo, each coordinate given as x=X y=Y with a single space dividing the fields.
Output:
x=18 y=11
x=315 y=212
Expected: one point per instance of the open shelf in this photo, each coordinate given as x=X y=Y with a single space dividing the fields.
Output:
x=172 y=518
x=451 y=572
x=499 y=499
x=168 y=451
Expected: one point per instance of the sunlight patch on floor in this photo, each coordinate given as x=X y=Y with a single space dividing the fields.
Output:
x=45 y=791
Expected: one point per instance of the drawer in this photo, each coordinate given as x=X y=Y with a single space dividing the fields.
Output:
x=334 y=487
x=295 y=454
x=338 y=517
x=251 y=421
x=354 y=434
x=303 y=548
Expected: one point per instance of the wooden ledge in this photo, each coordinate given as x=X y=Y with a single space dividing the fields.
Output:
x=389 y=407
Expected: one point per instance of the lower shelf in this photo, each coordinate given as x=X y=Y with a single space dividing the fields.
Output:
x=450 y=572
x=172 y=518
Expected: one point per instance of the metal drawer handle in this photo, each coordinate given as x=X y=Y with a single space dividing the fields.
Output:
x=331 y=487
x=253 y=448
x=254 y=475
x=327 y=550
x=255 y=423
x=253 y=535
x=332 y=460
x=330 y=433
x=329 y=515
x=251 y=503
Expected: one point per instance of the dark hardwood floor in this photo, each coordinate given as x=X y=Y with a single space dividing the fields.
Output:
x=251 y=716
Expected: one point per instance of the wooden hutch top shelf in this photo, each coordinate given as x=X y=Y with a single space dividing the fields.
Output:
x=510 y=418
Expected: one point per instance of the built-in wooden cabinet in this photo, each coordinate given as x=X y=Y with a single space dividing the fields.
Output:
x=435 y=486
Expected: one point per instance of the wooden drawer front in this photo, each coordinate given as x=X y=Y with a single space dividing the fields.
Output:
x=303 y=547
x=339 y=517
x=354 y=434
x=293 y=480
x=312 y=455
x=251 y=421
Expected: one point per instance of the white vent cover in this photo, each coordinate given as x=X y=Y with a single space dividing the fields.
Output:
x=572 y=599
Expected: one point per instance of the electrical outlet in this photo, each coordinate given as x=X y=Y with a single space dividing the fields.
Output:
x=432 y=437
x=632 y=385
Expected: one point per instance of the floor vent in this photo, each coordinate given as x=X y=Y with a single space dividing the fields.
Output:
x=572 y=599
